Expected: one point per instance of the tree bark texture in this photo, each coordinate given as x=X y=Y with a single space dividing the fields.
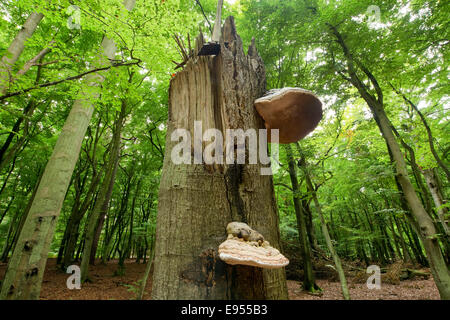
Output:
x=197 y=201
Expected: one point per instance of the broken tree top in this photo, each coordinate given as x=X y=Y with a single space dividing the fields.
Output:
x=294 y=111
x=246 y=246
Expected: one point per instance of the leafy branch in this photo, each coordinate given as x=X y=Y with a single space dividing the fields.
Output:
x=79 y=76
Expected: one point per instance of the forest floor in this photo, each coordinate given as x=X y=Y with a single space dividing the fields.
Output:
x=108 y=286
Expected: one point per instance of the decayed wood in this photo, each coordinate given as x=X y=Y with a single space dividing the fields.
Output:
x=197 y=201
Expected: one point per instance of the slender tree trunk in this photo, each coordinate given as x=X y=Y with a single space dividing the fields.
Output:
x=359 y=243
x=7 y=246
x=310 y=225
x=413 y=237
x=429 y=134
x=106 y=201
x=96 y=219
x=438 y=266
x=442 y=214
x=80 y=248
x=424 y=194
x=15 y=49
x=72 y=229
x=434 y=187
x=129 y=243
x=197 y=201
x=23 y=278
x=309 y=282
x=62 y=247
x=110 y=242
x=427 y=229
x=399 y=242
x=73 y=225
x=144 y=279
x=97 y=234
x=378 y=253
x=396 y=242
x=27 y=112
x=78 y=186
x=326 y=234
x=405 y=249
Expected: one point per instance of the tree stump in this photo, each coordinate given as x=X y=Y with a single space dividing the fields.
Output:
x=197 y=201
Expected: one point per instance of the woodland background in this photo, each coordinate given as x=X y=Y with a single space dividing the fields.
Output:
x=343 y=168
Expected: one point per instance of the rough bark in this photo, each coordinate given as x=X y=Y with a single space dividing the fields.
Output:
x=197 y=201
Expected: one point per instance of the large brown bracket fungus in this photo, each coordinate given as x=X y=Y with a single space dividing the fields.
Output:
x=246 y=246
x=294 y=111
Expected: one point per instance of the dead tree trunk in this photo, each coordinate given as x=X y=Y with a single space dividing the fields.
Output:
x=197 y=201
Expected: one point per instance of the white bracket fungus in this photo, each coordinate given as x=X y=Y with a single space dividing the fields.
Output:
x=246 y=246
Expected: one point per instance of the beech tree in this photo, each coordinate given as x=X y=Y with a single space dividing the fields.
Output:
x=336 y=39
x=91 y=93
x=26 y=267
x=202 y=199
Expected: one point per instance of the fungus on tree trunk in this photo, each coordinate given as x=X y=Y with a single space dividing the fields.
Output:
x=246 y=246
x=294 y=111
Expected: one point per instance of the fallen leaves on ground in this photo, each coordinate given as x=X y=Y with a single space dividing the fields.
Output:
x=107 y=286
x=406 y=290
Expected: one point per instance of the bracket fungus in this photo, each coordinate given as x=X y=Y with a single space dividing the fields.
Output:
x=246 y=246
x=294 y=111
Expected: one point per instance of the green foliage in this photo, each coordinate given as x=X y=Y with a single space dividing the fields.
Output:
x=346 y=156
